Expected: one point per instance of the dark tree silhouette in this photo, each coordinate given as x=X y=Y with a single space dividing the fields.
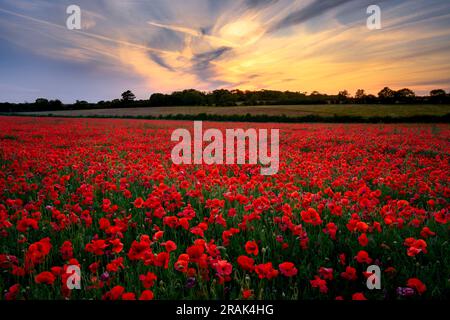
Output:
x=438 y=93
x=360 y=94
x=386 y=95
x=128 y=96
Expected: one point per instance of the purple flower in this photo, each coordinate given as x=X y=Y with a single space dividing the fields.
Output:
x=405 y=292
x=104 y=276
x=190 y=283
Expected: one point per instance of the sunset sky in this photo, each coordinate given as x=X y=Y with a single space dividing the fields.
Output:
x=166 y=45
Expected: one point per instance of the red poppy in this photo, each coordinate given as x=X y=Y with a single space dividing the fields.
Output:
x=162 y=260
x=326 y=273
x=181 y=265
x=223 y=268
x=266 y=270
x=45 y=277
x=128 y=296
x=363 y=240
x=288 y=269
x=311 y=216
x=12 y=293
x=195 y=252
x=117 y=245
x=247 y=294
x=140 y=250
x=114 y=294
x=415 y=246
x=426 y=233
x=38 y=251
x=246 y=263
x=319 y=283
x=417 y=285
x=169 y=245
x=358 y=296
x=363 y=257
x=66 y=250
x=349 y=274
x=97 y=247
x=114 y=265
x=146 y=295
x=148 y=280
x=251 y=247
x=138 y=203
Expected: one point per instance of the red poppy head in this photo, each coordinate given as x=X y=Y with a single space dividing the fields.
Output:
x=251 y=247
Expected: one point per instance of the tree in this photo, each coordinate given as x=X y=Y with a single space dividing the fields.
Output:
x=439 y=96
x=158 y=99
x=405 y=93
x=128 y=96
x=386 y=95
x=360 y=94
x=343 y=96
x=41 y=101
x=438 y=93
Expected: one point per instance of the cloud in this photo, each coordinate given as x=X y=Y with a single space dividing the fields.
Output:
x=311 y=11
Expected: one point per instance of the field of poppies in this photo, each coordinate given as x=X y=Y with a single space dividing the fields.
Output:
x=105 y=196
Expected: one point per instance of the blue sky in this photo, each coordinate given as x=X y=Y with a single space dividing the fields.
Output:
x=162 y=46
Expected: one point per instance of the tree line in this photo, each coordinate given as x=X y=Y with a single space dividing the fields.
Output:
x=223 y=97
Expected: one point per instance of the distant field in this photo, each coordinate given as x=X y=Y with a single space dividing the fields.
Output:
x=290 y=111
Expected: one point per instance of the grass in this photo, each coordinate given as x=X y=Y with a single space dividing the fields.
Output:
x=375 y=110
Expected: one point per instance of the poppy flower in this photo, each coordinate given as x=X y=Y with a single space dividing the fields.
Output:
x=66 y=250
x=358 y=296
x=128 y=296
x=326 y=273
x=251 y=247
x=148 y=280
x=146 y=295
x=415 y=246
x=319 y=283
x=114 y=294
x=195 y=252
x=311 y=216
x=169 y=245
x=115 y=264
x=363 y=257
x=426 y=233
x=97 y=247
x=331 y=229
x=223 y=268
x=138 y=203
x=247 y=294
x=246 y=263
x=12 y=293
x=37 y=251
x=417 y=285
x=363 y=240
x=288 y=269
x=181 y=265
x=349 y=274
x=162 y=260
x=45 y=277
x=266 y=271
x=117 y=246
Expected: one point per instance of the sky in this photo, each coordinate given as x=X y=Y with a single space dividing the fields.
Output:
x=152 y=46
